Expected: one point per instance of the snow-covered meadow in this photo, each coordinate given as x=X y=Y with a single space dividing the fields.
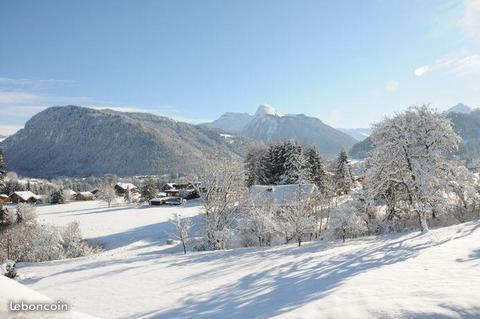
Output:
x=411 y=275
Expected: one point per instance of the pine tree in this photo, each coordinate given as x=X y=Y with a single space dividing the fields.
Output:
x=2 y=172
x=254 y=163
x=57 y=197
x=293 y=163
x=149 y=191
x=343 y=174
x=316 y=170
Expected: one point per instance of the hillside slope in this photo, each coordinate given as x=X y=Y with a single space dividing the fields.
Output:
x=412 y=275
x=77 y=141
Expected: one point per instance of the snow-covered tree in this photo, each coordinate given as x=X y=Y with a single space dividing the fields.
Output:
x=346 y=222
x=411 y=153
x=295 y=170
x=221 y=188
x=257 y=224
x=106 y=193
x=182 y=226
x=297 y=219
x=127 y=197
x=343 y=173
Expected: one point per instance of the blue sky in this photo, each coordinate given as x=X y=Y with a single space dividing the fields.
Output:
x=348 y=63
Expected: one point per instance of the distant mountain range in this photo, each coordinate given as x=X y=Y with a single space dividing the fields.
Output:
x=466 y=123
x=357 y=133
x=269 y=125
x=460 y=108
x=78 y=141
x=2 y=137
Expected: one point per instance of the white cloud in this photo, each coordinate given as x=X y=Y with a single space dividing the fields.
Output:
x=391 y=86
x=421 y=70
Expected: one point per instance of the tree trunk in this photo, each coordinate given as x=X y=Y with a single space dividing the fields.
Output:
x=422 y=221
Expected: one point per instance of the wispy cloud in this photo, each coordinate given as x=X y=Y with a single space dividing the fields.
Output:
x=455 y=64
x=470 y=21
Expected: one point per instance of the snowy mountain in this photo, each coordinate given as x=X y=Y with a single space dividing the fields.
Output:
x=460 y=108
x=357 y=133
x=77 y=141
x=2 y=137
x=231 y=122
x=269 y=125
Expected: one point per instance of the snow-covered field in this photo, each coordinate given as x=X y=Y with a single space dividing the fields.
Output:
x=435 y=275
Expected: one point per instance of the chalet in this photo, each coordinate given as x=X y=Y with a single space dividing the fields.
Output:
x=69 y=194
x=184 y=190
x=85 y=196
x=3 y=198
x=121 y=188
x=25 y=197
x=281 y=195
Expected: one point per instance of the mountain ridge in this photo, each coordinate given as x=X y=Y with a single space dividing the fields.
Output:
x=79 y=141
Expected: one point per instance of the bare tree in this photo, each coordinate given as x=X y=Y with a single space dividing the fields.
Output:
x=182 y=226
x=107 y=193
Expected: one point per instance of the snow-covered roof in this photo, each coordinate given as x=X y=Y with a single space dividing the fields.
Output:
x=4 y=196
x=85 y=193
x=280 y=194
x=126 y=186
x=70 y=192
x=26 y=195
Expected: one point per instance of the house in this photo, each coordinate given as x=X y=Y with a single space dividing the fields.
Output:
x=121 y=188
x=3 y=198
x=184 y=190
x=85 y=196
x=24 y=197
x=69 y=194
x=281 y=195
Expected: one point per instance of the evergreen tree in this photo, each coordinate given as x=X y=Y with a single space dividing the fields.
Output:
x=57 y=197
x=343 y=174
x=316 y=170
x=254 y=163
x=2 y=172
x=149 y=191
x=295 y=165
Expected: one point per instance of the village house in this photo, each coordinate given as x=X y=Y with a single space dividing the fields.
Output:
x=84 y=196
x=121 y=188
x=183 y=190
x=25 y=197
x=69 y=194
x=3 y=198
